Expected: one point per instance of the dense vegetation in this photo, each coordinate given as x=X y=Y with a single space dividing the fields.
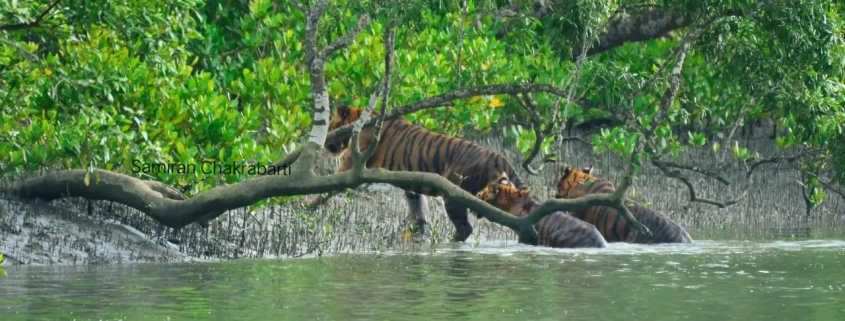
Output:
x=100 y=84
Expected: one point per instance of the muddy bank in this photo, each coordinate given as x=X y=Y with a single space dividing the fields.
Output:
x=372 y=218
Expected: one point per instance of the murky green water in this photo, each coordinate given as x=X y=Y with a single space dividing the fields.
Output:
x=723 y=279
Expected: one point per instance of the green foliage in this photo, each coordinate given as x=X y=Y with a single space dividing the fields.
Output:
x=104 y=84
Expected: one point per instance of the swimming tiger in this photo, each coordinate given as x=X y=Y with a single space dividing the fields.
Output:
x=574 y=183
x=404 y=146
x=555 y=230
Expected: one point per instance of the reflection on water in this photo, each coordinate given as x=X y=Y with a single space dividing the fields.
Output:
x=722 y=279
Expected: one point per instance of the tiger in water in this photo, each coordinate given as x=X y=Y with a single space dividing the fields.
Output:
x=555 y=230
x=574 y=183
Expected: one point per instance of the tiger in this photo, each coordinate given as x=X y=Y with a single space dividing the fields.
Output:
x=558 y=229
x=574 y=183
x=404 y=146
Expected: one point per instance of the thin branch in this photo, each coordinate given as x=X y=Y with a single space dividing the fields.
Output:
x=696 y=169
x=34 y=24
x=744 y=111
x=827 y=185
x=312 y=19
x=347 y=39
x=389 y=52
x=465 y=9
x=693 y=197
x=781 y=158
x=577 y=139
x=300 y=6
x=530 y=105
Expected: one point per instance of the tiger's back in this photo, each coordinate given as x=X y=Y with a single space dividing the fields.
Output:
x=663 y=228
x=404 y=146
x=555 y=230
x=574 y=183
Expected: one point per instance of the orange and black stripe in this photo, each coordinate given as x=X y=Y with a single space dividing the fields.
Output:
x=574 y=183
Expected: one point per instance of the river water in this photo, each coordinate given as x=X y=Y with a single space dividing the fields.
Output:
x=728 y=277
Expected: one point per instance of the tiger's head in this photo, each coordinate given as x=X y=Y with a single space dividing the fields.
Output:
x=569 y=178
x=503 y=195
x=343 y=115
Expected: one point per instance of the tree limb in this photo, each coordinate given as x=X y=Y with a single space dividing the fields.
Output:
x=651 y=23
x=34 y=24
x=347 y=39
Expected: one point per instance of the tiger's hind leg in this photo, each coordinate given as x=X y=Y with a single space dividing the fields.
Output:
x=458 y=216
x=417 y=207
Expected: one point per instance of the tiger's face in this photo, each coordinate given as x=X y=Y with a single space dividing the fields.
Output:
x=569 y=178
x=503 y=195
x=490 y=193
x=344 y=115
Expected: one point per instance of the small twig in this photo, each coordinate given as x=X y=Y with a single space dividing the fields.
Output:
x=577 y=139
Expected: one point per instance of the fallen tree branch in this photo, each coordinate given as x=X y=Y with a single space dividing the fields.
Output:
x=177 y=214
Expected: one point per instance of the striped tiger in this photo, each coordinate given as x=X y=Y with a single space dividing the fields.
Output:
x=404 y=146
x=574 y=183
x=555 y=230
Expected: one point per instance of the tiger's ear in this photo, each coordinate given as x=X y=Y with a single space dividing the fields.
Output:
x=588 y=169
x=564 y=170
x=343 y=110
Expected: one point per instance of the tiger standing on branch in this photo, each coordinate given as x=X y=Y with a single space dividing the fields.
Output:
x=574 y=183
x=403 y=146
x=555 y=230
